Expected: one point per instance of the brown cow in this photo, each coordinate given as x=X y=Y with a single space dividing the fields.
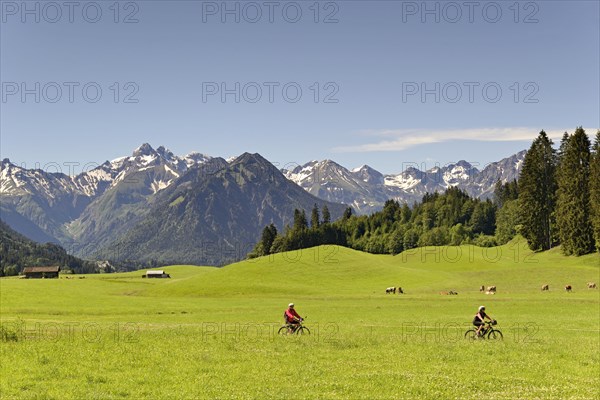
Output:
x=452 y=292
x=591 y=285
x=482 y=288
x=568 y=288
x=545 y=287
x=400 y=291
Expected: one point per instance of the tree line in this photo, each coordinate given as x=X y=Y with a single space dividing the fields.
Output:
x=559 y=199
x=452 y=217
x=555 y=201
x=18 y=252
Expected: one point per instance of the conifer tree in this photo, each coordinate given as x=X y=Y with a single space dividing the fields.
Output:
x=537 y=186
x=347 y=213
x=595 y=189
x=563 y=146
x=573 y=196
x=300 y=222
x=326 y=215
x=315 y=217
x=268 y=237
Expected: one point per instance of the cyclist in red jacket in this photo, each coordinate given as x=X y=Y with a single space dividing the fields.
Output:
x=292 y=318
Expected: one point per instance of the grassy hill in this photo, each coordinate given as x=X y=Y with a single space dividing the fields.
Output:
x=210 y=332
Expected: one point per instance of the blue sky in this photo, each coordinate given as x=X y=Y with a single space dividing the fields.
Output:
x=382 y=82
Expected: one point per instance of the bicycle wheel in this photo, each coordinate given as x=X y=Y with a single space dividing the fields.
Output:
x=303 y=331
x=495 y=335
x=283 y=330
x=471 y=334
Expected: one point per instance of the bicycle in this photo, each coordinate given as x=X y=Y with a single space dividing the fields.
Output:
x=291 y=329
x=487 y=331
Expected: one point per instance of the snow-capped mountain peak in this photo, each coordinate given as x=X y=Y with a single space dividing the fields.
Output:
x=367 y=189
x=161 y=168
x=195 y=158
x=144 y=150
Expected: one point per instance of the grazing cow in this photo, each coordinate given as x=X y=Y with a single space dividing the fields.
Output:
x=491 y=288
x=452 y=292
x=482 y=288
x=390 y=290
x=545 y=287
x=591 y=285
x=400 y=291
x=568 y=288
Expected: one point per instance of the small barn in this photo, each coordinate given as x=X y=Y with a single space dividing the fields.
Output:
x=41 y=272
x=156 y=274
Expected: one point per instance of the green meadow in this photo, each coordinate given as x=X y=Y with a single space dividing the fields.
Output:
x=211 y=332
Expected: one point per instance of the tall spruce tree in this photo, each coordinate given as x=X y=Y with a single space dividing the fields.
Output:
x=564 y=142
x=268 y=237
x=326 y=215
x=315 y=217
x=300 y=222
x=595 y=189
x=537 y=186
x=347 y=213
x=573 y=196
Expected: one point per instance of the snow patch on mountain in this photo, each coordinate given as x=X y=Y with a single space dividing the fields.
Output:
x=17 y=181
x=367 y=189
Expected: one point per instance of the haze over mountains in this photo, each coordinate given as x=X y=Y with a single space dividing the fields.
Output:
x=154 y=206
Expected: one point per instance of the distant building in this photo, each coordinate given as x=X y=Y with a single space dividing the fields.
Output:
x=41 y=272
x=156 y=274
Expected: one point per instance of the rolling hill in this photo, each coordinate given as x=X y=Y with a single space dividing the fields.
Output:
x=207 y=332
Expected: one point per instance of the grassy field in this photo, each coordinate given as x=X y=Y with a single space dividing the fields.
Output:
x=211 y=333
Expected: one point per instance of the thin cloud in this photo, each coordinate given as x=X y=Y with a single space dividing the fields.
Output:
x=402 y=139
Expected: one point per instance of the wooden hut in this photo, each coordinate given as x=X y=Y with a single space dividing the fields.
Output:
x=41 y=272
x=157 y=274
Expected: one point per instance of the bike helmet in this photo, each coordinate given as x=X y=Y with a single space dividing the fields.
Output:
x=481 y=308
x=291 y=305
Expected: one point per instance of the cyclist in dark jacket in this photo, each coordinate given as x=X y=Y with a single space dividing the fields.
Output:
x=479 y=318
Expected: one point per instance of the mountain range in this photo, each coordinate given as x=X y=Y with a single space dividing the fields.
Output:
x=154 y=206
x=366 y=189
